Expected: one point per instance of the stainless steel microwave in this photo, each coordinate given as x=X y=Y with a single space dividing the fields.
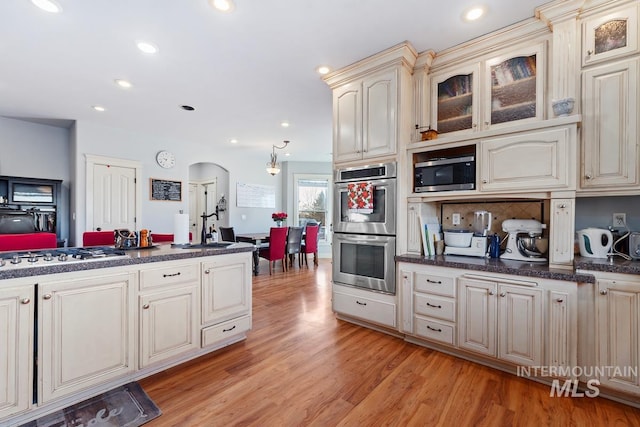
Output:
x=445 y=174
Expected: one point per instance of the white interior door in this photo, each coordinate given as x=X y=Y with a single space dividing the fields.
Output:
x=114 y=197
x=194 y=219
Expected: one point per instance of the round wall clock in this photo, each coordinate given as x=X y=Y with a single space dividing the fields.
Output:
x=166 y=159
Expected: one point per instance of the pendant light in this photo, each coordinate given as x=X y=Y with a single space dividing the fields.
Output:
x=273 y=167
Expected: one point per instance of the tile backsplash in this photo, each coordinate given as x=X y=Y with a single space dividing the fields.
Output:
x=530 y=209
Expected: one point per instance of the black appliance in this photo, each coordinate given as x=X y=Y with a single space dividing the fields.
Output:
x=445 y=174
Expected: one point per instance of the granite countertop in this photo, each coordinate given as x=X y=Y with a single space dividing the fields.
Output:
x=160 y=252
x=609 y=265
x=492 y=265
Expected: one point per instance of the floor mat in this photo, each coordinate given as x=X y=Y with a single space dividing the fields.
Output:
x=125 y=406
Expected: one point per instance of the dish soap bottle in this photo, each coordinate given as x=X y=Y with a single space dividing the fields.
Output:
x=214 y=234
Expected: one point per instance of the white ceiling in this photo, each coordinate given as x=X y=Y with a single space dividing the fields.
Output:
x=244 y=72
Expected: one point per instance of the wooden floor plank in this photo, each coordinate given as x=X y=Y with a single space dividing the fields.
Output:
x=300 y=366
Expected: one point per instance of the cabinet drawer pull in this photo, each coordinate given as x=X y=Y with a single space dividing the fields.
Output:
x=25 y=301
x=360 y=303
x=604 y=291
x=230 y=329
x=46 y=296
x=437 y=282
x=171 y=275
x=434 y=329
x=146 y=306
x=434 y=306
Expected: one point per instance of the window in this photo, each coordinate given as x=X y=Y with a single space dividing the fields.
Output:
x=312 y=195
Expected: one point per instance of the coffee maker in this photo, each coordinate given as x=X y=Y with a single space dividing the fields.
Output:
x=525 y=241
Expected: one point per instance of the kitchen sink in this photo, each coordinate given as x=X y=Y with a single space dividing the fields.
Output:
x=208 y=245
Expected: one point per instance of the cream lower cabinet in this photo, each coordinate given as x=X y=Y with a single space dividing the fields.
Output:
x=618 y=331
x=428 y=302
x=501 y=320
x=611 y=108
x=226 y=297
x=168 y=311
x=16 y=349
x=371 y=307
x=86 y=330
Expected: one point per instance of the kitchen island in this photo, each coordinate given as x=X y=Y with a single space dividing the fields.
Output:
x=77 y=328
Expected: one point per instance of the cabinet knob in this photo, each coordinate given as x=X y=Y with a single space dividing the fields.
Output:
x=146 y=306
x=46 y=296
x=589 y=52
x=484 y=181
x=503 y=294
x=587 y=176
x=25 y=301
x=604 y=291
x=492 y=293
x=562 y=206
x=405 y=276
x=559 y=300
x=486 y=123
x=207 y=271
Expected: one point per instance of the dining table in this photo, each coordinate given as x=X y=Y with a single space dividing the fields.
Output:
x=256 y=239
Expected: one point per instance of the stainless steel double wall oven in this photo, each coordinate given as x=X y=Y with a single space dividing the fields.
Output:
x=364 y=227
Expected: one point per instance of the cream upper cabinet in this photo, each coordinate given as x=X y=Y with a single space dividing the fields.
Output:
x=96 y=306
x=501 y=320
x=372 y=102
x=490 y=92
x=618 y=331
x=16 y=349
x=611 y=100
x=537 y=160
x=454 y=99
x=610 y=34
x=365 y=117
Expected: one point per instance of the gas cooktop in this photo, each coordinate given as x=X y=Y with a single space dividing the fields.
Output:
x=46 y=257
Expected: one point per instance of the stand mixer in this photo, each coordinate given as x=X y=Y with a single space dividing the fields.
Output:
x=524 y=241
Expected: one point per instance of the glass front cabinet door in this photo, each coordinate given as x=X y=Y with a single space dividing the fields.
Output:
x=454 y=104
x=491 y=92
x=610 y=34
x=515 y=89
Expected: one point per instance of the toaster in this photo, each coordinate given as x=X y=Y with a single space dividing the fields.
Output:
x=634 y=245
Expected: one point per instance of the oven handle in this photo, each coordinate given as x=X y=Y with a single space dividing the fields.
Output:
x=364 y=238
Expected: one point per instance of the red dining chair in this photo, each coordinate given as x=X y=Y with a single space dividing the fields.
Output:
x=98 y=238
x=164 y=237
x=28 y=241
x=310 y=245
x=276 y=249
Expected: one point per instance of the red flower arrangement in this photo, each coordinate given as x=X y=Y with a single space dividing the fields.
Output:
x=279 y=216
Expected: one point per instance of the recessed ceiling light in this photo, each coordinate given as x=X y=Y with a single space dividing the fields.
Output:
x=474 y=13
x=123 y=83
x=222 y=5
x=147 y=47
x=48 y=5
x=98 y=108
x=187 y=108
x=323 y=69
x=233 y=141
x=284 y=124
x=287 y=154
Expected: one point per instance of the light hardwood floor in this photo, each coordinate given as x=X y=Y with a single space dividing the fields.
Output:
x=301 y=366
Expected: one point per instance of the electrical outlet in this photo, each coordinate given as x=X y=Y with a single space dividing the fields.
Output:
x=619 y=219
x=455 y=219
